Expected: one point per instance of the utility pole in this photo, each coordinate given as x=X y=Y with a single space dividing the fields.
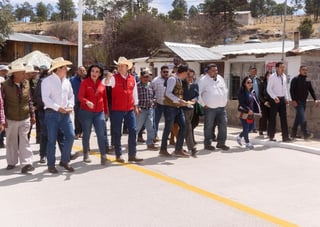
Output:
x=284 y=29
x=80 y=42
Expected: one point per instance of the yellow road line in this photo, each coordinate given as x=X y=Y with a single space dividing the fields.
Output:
x=210 y=195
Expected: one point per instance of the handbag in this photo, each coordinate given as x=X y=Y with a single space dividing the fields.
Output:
x=198 y=109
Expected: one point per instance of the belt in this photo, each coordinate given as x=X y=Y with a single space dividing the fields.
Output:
x=280 y=97
x=50 y=110
x=146 y=108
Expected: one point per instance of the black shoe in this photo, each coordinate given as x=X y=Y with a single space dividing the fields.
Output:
x=141 y=140
x=27 y=168
x=164 y=153
x=308 y=136
x=260 y=133
x=120 y=159
x=209 y=148
x=103 y=160
x=135 y=159
x=194 y=151
x=272 y=139
x=66 y=166
x=2 y=145
x=74 y=156
x=254 y=131
x=43 y=160
x=110 y=150
x=52 y=169
x=9 y=167
x=223 y=147
x=287 y=140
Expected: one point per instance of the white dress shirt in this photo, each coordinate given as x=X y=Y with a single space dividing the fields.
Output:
x=57 y=93
x=159 y=89
x=277 y=86
x=213 y=93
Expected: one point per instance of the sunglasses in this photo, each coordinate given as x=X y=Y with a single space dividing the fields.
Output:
x=165 y=71
x=249 y=83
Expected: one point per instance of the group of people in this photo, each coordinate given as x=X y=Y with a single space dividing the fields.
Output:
x=139 y=102
x=265 y=97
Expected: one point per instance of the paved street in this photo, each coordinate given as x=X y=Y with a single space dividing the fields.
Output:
x=275 y=184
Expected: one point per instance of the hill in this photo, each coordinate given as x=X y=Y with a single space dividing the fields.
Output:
x=266 y=28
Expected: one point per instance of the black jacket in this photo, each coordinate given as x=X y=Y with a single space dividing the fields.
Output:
x=245 y=104
x=300 y=87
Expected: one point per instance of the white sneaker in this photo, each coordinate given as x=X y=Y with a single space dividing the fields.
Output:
x=249 y=146
x=239 y=140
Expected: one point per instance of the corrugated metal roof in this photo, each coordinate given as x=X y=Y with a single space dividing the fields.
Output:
x=24 y=37
x=191 y=52
x=266 y=47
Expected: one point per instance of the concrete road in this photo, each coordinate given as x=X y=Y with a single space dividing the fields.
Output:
x=267 y=186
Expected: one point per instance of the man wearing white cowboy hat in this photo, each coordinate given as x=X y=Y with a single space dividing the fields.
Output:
x=58 y=99
x=124 y=107
x=19 y=115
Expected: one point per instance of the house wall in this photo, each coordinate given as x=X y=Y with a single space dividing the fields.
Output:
x=311 y=114
x=14 y=50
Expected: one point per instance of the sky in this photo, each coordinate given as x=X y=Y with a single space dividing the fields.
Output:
x=163 y=6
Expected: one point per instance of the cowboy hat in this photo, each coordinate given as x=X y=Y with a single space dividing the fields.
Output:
x=124 y=61
x=30 y=69
x=59 y=62
x=4 y=67
x=16 y=67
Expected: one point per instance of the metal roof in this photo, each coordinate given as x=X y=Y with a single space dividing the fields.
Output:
x=266 y=47
x=30 y=38
x=191 y=52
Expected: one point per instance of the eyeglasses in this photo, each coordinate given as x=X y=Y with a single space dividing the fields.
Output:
x=165 y=71
x=249 y=83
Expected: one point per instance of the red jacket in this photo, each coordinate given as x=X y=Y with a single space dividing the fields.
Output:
x=95 y=93
x=122 y=93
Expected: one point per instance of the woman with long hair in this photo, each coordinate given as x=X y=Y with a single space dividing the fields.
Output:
x=248 y=106
x=93 y=110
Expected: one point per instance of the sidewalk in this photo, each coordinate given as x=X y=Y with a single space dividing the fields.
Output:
x=309 y=146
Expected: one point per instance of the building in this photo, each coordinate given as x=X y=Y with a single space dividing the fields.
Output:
x=21 y=44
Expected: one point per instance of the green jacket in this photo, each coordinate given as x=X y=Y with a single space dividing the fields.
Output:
x=17 y=103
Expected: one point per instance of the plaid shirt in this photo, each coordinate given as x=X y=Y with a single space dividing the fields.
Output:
x=145 y=95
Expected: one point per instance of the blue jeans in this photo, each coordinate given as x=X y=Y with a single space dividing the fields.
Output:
x=117 y=119
x=300 y=119
x=97 y=119
x=246 y=128
x=145 y=118
x=56 y=121
x=44 y=136
x=212 y=116
x=157 y=116
x=172 y=114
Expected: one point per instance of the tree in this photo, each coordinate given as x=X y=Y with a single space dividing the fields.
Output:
x=66 y=10
x=193 y=11
x=41 y=12
x=313 y=7
x=305 y=28
x=63 y=30
x=5 y=19
x=180 y=9
x=23 y=11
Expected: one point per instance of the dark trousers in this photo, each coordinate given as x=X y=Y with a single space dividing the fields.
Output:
x=300 y=119
x=280 y=108
x=77 y=124
x=263 y=121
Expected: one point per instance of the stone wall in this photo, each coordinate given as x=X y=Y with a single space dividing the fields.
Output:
x=312 y=115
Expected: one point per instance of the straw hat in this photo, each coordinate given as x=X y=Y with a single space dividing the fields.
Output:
x=17 y=67
x=4 y=67
x=124 y=61
x=59 y=62
x=30 y=69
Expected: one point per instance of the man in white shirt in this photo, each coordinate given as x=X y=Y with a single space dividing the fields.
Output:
x=159 y=89
x=58 y=99
x=277 y=89
x=213 y=96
